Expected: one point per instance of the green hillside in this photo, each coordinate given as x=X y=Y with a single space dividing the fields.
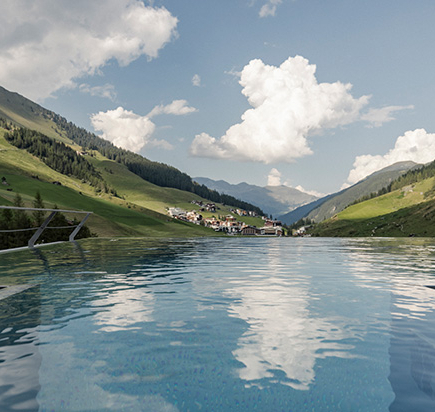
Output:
x=138 y=210
x=373 y=183
x=334 y=203
x=408 y=211
x=113 y=183
x=111 y=216
x=23 y=112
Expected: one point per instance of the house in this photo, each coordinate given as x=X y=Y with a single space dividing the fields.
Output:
x=249 y=231
x=272 y=223
x=302 y=231
x=271 y=231
x=176 y=212
x=232 y=227
x=194 y=217
x=210 y=207
x=240 y=212
x=213 y=223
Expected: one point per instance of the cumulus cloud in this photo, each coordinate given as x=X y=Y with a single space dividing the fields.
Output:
x=131 y=131
x=177 y=107
x=274 y=178
x=288 y=105
x=415 y=145
x=161 y=144
x=124 y=128
x=106 y=91
x=46 y=45
x=269 y=9
x=196 y=80
x=377 y=117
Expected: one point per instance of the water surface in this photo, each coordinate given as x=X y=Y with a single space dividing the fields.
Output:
x=240 y=324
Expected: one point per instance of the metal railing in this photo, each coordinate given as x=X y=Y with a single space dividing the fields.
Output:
x=40 y=229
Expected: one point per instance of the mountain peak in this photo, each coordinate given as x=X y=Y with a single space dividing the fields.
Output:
x=273 y=200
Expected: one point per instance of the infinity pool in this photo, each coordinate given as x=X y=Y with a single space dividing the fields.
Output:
x=237 y=324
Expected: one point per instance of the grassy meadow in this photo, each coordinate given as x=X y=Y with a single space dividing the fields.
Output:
x=139 y=209
x=408 y=211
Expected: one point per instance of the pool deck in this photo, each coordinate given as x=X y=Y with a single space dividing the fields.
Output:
x=9 y=290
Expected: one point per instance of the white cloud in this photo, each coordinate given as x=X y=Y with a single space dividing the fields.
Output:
x=161 y=144
x=376 y=117
x=131 y=131
x=310 y=192
x=177 y=107
x=46 y=45
x=268 y=44
x=107 y=91
x=288 y=105
x=269 y=9
x=274 y=178
x=234 y=73
x=196 y=80
x=415 y=145
x=124 y=128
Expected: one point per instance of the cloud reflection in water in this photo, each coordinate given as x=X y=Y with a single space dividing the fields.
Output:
x=282 y=333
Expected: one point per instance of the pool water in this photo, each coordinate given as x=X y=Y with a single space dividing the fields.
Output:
x=237 y=324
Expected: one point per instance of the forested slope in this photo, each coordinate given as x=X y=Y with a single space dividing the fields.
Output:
x=23 y=112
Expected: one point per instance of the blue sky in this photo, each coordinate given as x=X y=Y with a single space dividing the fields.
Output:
x=329 y=91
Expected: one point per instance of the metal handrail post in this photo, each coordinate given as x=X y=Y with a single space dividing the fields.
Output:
x=38 y=233
x=79 y=226
x=35 y=237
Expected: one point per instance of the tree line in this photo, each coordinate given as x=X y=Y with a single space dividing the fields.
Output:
x=413 y=176
x=157 y=173
x=305 y=221
x=65 y=160
x=410 y=177
x=4 y=124
x=13 y=219
x=57 y=156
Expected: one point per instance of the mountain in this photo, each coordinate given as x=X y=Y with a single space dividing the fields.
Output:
x=39 y=147
x=273 y=200
x=406 y=209
x=332 y=204
x=23 y=112
x=302 y=211
x=25 y=174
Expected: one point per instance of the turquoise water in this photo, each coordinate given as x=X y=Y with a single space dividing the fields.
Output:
x=220 y=325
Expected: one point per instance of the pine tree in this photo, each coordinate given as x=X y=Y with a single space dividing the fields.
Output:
x=38 y=215
x=20 y=221
x=54 y=235
x=6 y=239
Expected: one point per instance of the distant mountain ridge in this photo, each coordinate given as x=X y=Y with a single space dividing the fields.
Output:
x=273 y=200
x=332 y=204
